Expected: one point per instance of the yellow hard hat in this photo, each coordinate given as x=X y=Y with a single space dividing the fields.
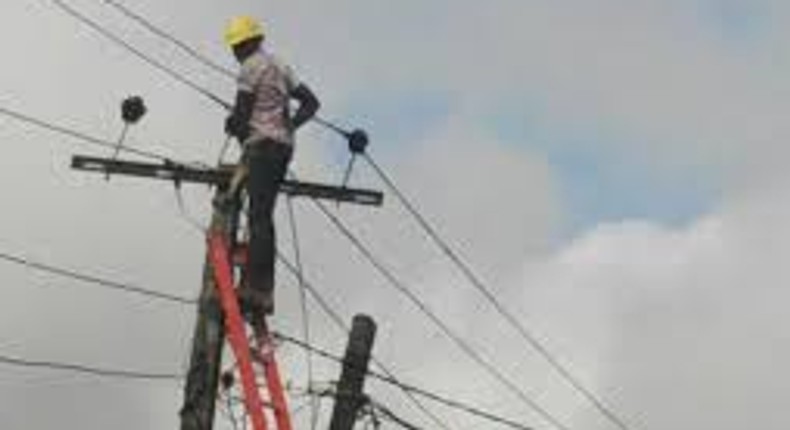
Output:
x=242 y=29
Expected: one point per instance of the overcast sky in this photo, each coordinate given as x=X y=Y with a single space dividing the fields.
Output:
x=614 y=169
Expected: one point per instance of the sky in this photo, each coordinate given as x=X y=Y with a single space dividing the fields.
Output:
x=614 y=170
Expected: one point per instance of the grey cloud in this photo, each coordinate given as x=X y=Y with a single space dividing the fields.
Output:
x=611 y=303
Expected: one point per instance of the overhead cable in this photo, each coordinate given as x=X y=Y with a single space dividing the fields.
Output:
x=127 y=288
x=333 y=315
x=145 y=292
x=391 y=416
x=82 y=277
x=304 y=309
x=157 y=30
x=117 y=286
x=89 y=370
x=80 y=136
x=456 y=339
x=509 y=317
x=196 y=55
x=454 y=404
x=73 y=12
x=432 y=233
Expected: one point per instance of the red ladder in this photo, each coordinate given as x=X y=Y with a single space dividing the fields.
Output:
x=221 y=258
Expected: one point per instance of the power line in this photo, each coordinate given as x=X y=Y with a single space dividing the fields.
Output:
x=67 y=273
x=333 y=315
x=442 y=244
x=304 y=309
x=475 y=280
x=127 y=288
x=295 y=270
x=323 y=304
x=88 y=370
x=157 y=30
x=35 y=265
x=465 y=268
x=388 y=414
x=70 y=10
x=95 y=141
x=182 y=79
x=454 y=404
x=195 y=54
x=339 y=322
x=320 y=300
x=80 y=136
x=90 y=140
x=457 y=340
x=100 y=142
x=464 y=346
x=82 y=277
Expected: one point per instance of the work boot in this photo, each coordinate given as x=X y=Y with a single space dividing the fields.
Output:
x=255 y=304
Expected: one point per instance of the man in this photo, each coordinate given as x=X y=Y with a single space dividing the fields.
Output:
x=262 y=121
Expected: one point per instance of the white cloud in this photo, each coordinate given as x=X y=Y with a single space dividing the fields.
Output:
x=688 y=324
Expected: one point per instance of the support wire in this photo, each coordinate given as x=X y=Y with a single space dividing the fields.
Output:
x=304 y=310
x=456 y=339
x=528 y=336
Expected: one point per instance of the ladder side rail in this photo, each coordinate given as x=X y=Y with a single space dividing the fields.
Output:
x=235 y=329
x=272 y=373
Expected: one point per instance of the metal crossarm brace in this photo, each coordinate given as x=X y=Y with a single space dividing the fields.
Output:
x=180 y=173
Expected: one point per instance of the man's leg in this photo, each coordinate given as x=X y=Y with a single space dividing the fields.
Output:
x=268 y=163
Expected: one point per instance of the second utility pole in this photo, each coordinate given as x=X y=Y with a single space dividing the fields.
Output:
x=350 y=397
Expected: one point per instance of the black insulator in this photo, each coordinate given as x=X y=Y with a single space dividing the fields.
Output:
x=132 y=109
x=358 y=141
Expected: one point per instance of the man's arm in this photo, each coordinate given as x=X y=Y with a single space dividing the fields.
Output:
x=238 y=123
x=308 y=105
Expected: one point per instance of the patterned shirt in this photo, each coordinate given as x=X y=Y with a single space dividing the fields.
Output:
x=271 y=81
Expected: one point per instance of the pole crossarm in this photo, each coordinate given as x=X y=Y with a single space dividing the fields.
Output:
x=180 y=173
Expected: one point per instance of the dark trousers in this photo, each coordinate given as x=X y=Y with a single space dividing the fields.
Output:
x=268 y=163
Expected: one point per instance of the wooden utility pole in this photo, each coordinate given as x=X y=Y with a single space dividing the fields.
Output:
x=350 y=397
x=207 y=342
x=203 y=378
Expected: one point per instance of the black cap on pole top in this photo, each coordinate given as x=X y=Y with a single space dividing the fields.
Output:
x=132 y=109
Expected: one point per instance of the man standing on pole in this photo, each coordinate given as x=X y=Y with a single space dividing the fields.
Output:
x=262 y=121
